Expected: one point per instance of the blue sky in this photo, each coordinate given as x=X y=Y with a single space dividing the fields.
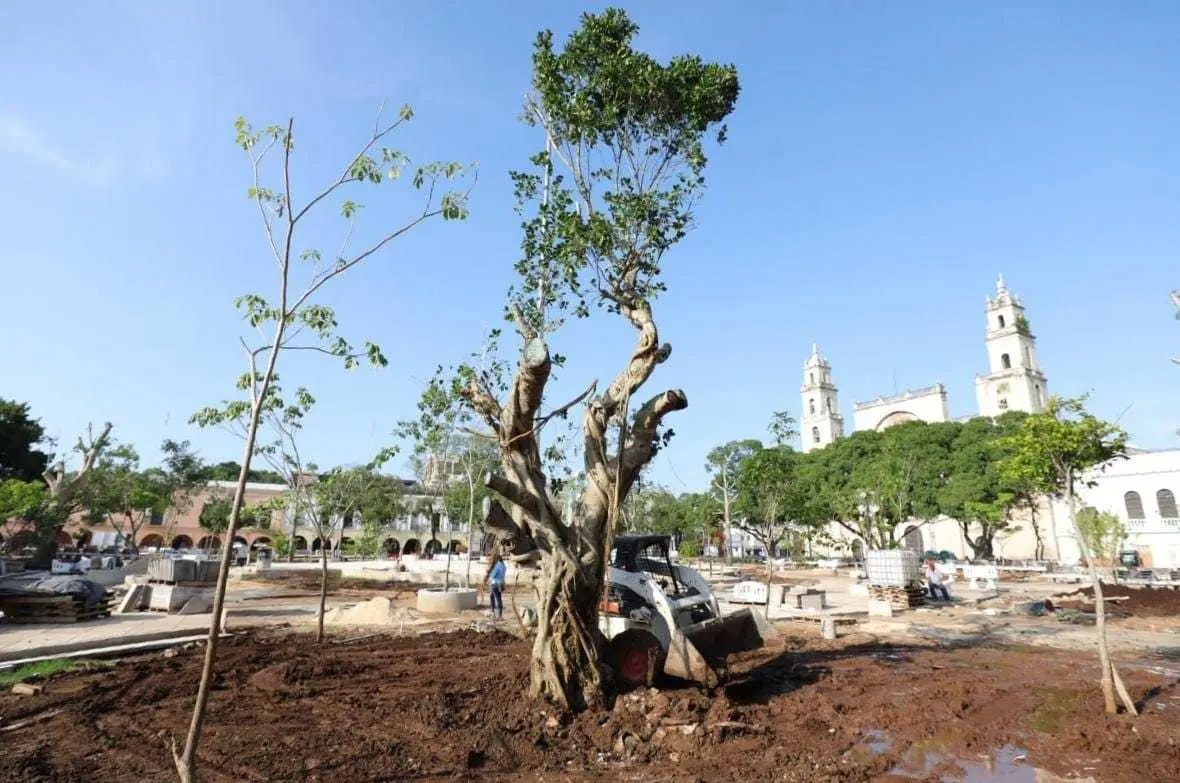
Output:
x=885 y=162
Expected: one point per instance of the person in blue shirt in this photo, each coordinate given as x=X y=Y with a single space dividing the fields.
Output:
x=495 y=577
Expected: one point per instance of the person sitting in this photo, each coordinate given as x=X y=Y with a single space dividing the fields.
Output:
x=934 y=579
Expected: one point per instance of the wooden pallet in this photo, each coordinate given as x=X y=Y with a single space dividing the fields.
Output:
x=37 y=609
x=899 y=597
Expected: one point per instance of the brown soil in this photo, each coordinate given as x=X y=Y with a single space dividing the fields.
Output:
x=450 y=706
x=1139 y=601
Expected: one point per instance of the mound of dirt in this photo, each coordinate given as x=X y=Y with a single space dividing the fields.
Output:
x=452 y=706
x=1134 y=601
x=376 y=611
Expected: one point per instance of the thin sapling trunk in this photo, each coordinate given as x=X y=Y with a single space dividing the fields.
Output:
x=296 y=314
x=319 y=623
x=470 y=526
x=186 y=761
x=1111 y=681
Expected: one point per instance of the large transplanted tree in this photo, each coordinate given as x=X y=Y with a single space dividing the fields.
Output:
x=613 y=190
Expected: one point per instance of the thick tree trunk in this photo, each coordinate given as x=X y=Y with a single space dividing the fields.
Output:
x=319 y=622
x=569 y=648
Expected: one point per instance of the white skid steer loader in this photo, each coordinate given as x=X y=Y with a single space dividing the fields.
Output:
x=661 y=617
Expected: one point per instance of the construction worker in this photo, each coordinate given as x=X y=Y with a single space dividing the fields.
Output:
x=934 y=582
x=495 y=577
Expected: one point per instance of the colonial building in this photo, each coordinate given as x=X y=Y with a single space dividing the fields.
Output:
x=1140 y=489
x=423 y=528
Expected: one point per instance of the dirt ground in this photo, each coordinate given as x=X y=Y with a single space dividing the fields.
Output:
x=450 y=706
x=1129 y=601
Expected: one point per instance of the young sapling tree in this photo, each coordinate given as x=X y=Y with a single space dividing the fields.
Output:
x=292 y=318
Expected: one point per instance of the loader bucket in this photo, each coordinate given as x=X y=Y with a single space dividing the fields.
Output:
x=698 y=651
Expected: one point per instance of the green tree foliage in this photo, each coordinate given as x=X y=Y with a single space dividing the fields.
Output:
x=229 y=471
x=1055 y=450
x=1104 y=532
x=120 y=493
x=782 y=428
x=774 y=497
x=214 y=516
x=687 y=517
x=722 y=463
x=20 y=435
x=847 y=478
x=60 y=495
x=976 y=492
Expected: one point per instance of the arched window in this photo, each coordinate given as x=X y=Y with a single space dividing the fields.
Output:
x=828 y=408
x=811 y=405
x=1001 y=319
x=1134 y=505
x=1167 y=503
x=1005 y=361
x=811 y=378
x=815 y=434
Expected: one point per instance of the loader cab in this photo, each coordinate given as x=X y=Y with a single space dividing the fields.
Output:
x=648 y=555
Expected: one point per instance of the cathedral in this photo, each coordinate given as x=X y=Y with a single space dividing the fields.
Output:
x=1014 y=383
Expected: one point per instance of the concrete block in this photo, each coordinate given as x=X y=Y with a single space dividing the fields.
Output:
x=812 y=600
x=861 y=588
x=199 y=603
x=135 y=599
x=827 y=626
x=26 y=689
x=171 y=598
x=880 y=608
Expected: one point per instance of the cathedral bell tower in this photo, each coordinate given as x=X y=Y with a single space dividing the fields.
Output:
x=1015 y=382
x=820 y=421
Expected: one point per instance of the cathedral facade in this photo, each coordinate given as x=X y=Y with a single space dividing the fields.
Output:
x=1014 y=382
x=1142 y=489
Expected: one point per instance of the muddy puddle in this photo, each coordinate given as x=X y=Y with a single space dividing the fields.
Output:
x=927 y=760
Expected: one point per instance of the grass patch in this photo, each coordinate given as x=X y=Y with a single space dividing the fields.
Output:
x=1056 y=709
x=33 y=671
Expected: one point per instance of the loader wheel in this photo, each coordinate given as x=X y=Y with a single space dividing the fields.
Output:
x=638 y=658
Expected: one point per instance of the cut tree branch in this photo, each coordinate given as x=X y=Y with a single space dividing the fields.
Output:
x=513 y=494
x=641 y=445
x=528 y=389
